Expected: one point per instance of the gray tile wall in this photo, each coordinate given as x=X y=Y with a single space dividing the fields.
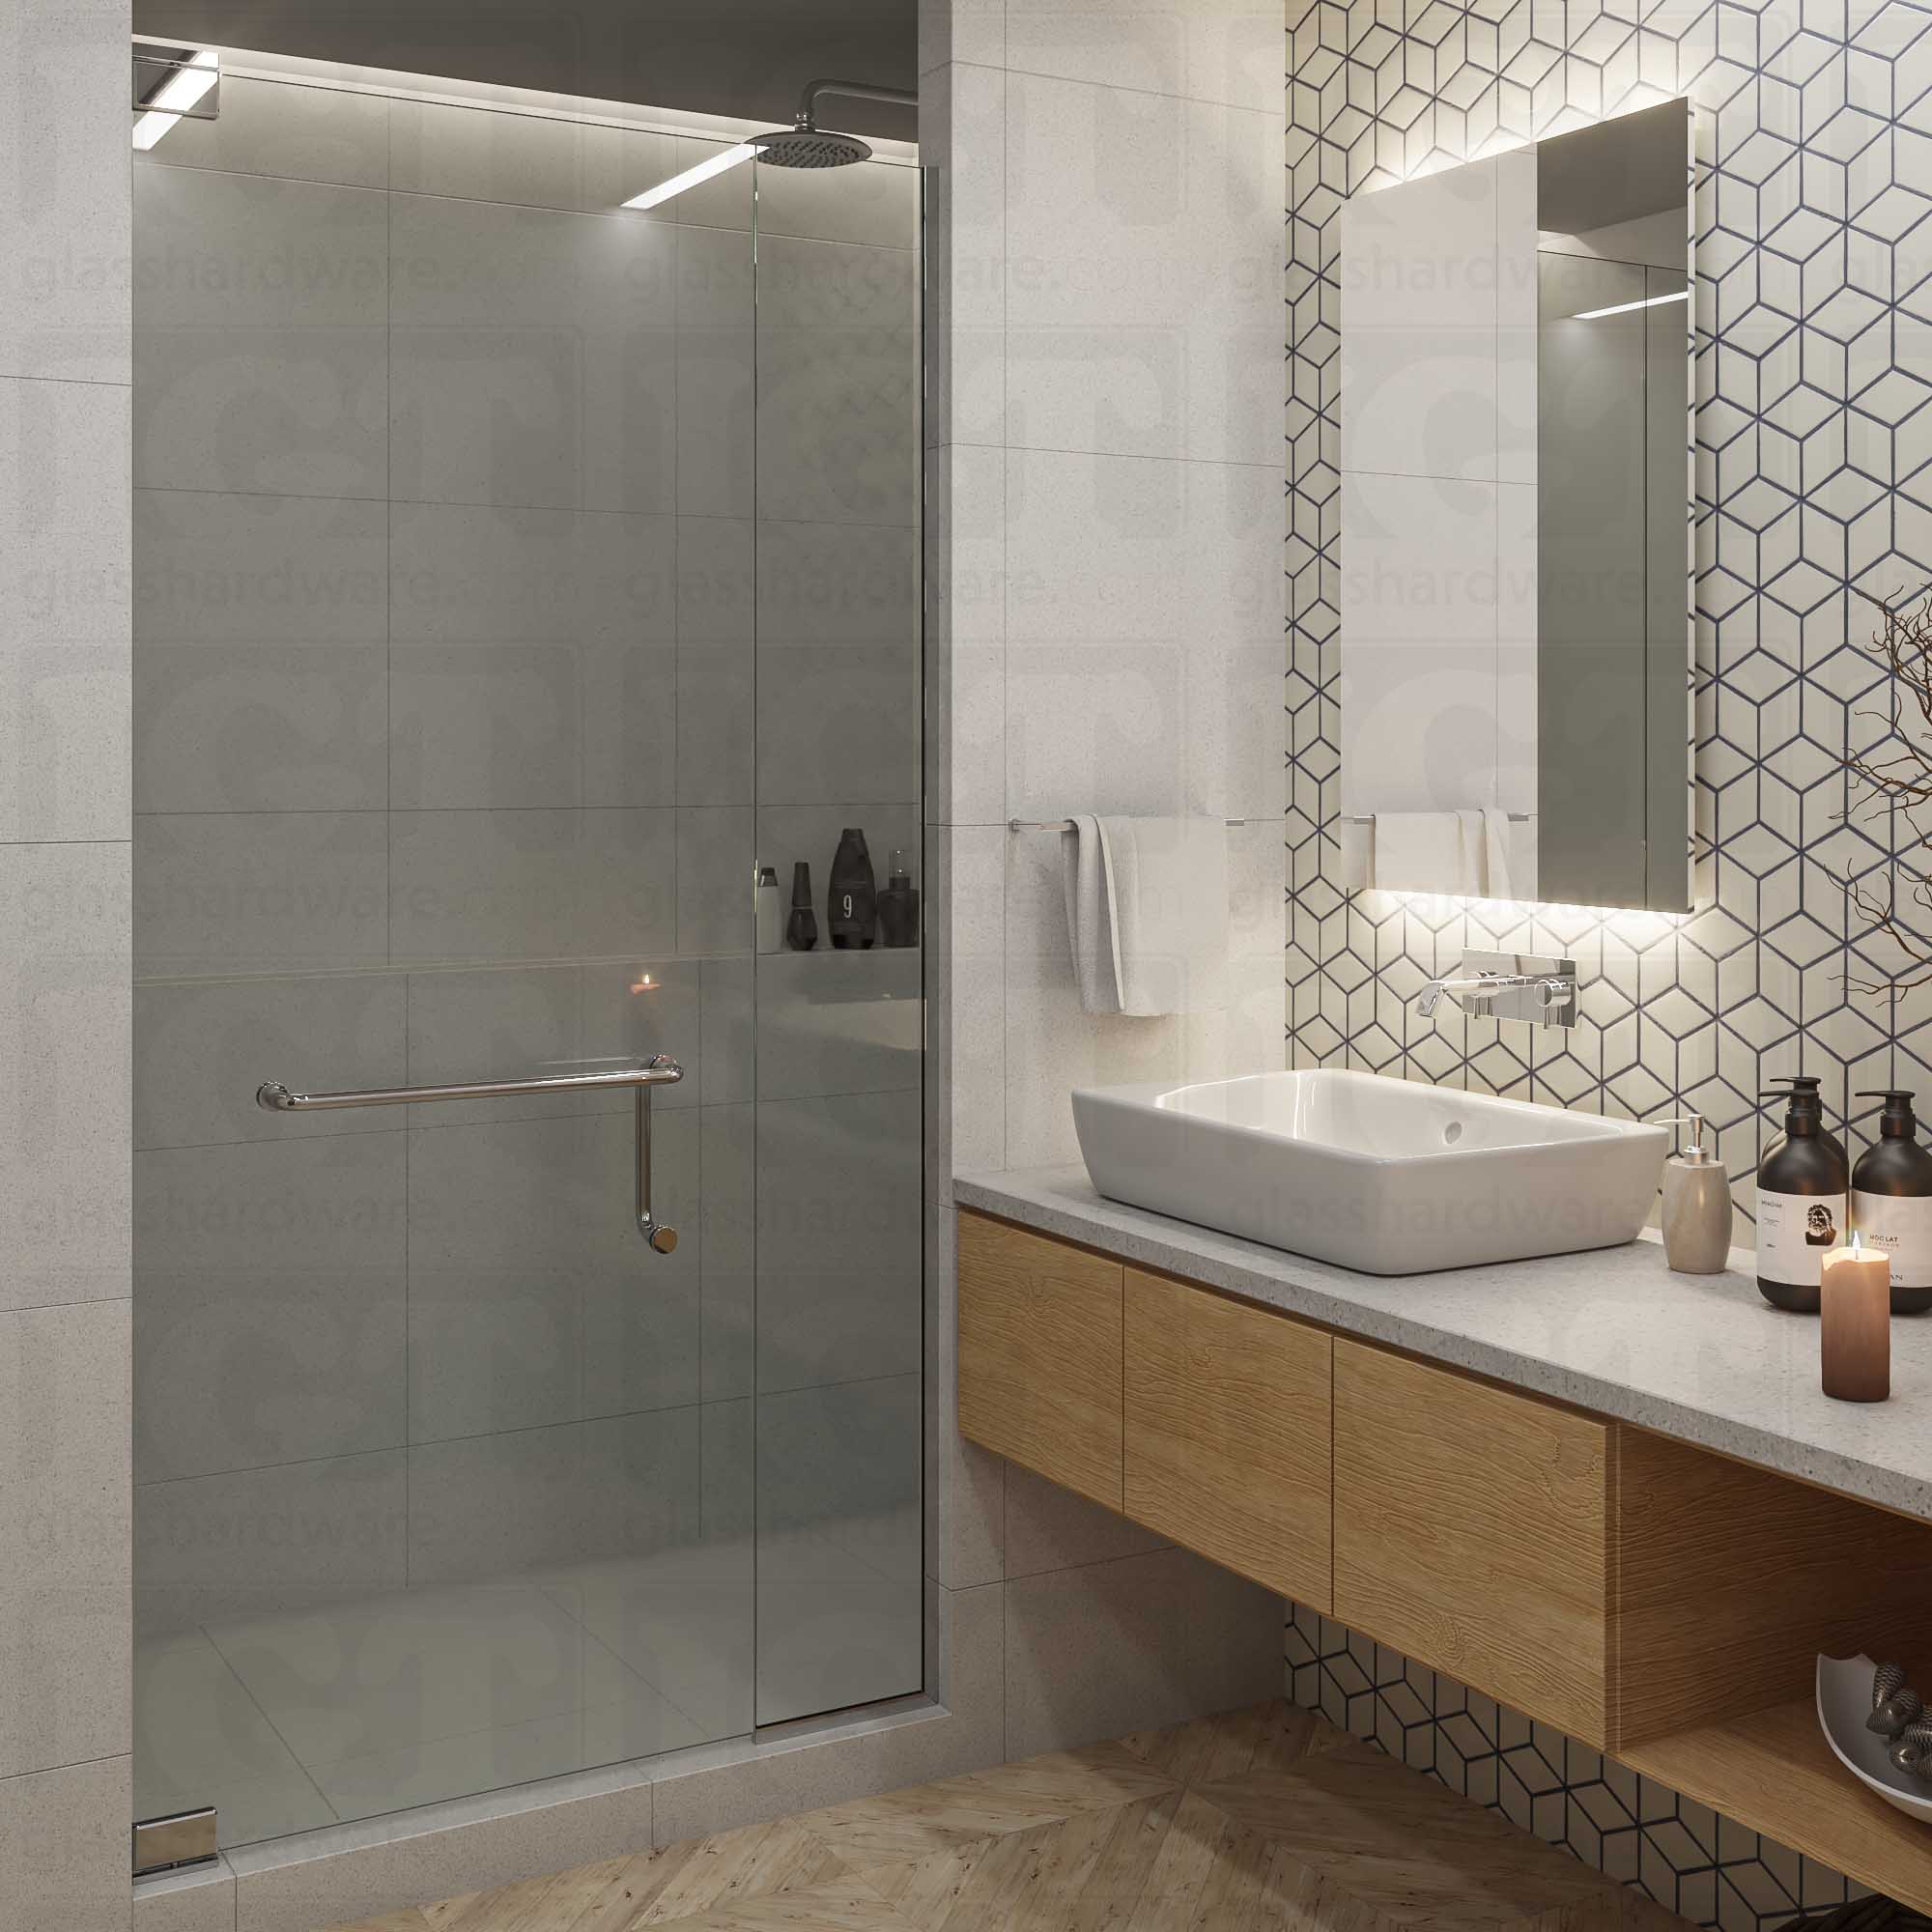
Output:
x=1104 y=612
x=485 y=634
x=65 y=1692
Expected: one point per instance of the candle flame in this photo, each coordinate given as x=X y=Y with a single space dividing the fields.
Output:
x=1858 y=1247
x=644 y=984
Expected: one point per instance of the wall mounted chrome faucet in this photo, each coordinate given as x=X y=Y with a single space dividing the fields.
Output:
x=1508 y=986
x=659 y=1070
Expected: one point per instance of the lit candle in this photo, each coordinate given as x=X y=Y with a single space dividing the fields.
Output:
x=1855 y=1323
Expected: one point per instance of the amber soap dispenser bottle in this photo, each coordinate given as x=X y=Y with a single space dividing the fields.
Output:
x=1802 y=1191
x=1892 y=1202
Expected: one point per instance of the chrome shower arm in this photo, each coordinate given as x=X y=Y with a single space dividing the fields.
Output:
x=852 y=90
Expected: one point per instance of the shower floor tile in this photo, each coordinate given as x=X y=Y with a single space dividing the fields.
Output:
x=635 y=1724
x=395 y=1672
x=682 y=1619
x=200 y=1739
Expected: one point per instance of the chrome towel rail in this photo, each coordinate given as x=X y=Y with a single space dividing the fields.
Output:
x=659 y=1070
x=1067 y=825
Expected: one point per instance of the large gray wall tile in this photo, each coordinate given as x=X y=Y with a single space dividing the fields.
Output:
x=838 y=709
x=64 y=677
x=715 y=879
x=716 y=625
x=532 y=885
x=533 y=356
x=260 y=892
x=838 y=1549
x=534 y=658
x=480 y=153
x=64 y=1517
x=64 y=1837
x=532 y=1298
x=876 y=204
x=839 y=1023
x=717 y=388
x=838 y=382
x=1124 y=1645
x=1217 y=50
x=493 y=1506
x=203 y=1048
x=1142 y=665
x=1145 y=314
x=282 y=128
x=261 y=359
x=261 y=655
x=838 y=1238
x=268 y=1304
x=63 y=155
x=729 y=1267
x=257 y=1541
x=63 y=1074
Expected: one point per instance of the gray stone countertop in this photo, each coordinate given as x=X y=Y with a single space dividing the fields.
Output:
x=1701 y=1358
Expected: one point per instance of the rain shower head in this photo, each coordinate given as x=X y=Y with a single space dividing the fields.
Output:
x=810 y=148
x=807 y=144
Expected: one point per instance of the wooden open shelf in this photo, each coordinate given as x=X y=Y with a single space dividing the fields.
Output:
x=1773 y=1772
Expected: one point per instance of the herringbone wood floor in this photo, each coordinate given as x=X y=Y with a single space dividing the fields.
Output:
x=1260 y=1819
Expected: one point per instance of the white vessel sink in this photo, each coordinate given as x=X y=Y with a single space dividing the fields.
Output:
x=1386 y=1175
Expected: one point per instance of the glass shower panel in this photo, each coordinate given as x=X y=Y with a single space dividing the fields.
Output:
x=837 y=1114
x=446 y=770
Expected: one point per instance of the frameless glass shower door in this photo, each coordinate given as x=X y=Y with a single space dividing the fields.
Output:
x=515 y=576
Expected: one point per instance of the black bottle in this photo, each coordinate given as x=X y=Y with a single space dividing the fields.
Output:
x=898 y=906
x=1803 y=1193
x=802 y=929
x=1892 y=1202
x=851 y=902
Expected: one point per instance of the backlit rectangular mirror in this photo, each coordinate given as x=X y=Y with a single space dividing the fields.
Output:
x=1515 y=522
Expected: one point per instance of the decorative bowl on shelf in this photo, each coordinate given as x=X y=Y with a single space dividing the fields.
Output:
x=1845 y=1703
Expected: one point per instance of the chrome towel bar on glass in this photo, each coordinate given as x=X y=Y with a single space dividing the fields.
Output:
x=1067 y=825
x=659 y=1070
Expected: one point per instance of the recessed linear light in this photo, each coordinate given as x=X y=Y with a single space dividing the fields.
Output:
x=179 y=92
x=1624 y=308
x=729 y=157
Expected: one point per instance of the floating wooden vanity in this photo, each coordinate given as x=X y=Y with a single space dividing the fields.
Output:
x=1656 y=1599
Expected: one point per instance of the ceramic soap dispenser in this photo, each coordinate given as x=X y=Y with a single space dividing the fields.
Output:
x=1696 y=1205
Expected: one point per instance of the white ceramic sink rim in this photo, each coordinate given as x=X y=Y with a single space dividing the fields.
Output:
x=1388 y=1177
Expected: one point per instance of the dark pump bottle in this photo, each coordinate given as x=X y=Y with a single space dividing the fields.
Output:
x=851 y=903
x=1802 y=1200
x=802 y=929
x=1892 y=1202
x=899 y=905
x=1806 y=1087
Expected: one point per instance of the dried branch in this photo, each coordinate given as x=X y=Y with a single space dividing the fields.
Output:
x=1898 y=784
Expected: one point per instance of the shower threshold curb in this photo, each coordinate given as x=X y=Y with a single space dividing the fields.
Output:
x=342 y=1872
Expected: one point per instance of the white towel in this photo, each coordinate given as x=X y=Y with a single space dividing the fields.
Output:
x=1146 y=911
x=1464 y=854
x=1089 y=921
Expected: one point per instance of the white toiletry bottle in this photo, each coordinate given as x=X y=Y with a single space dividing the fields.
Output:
x=770 y=909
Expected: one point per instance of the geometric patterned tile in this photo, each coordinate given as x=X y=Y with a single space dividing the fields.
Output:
x=1813 y=432
x=1681 y=1855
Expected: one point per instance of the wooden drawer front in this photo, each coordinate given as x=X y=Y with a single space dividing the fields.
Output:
x=1039 y=1355
x=1472 y=1532
x=1227 y=1425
